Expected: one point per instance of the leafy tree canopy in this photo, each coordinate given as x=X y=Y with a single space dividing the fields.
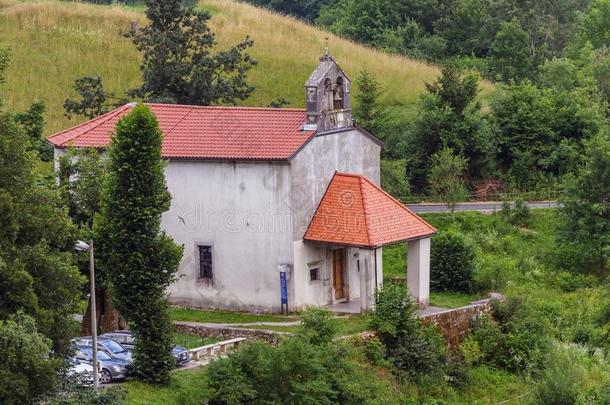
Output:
x=178 y=65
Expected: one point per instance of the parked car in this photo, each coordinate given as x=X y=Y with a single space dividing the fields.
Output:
x=107 y=345
x=111 y=369
x=126 y=339
x=80 y=373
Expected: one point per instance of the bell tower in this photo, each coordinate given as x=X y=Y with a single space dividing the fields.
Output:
x=328 y=96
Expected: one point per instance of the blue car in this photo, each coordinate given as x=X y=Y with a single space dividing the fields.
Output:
x=107 y=345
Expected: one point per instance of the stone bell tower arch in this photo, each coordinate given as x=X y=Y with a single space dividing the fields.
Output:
x=328 y=96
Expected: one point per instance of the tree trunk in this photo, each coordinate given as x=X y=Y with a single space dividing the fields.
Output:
x=108 y=318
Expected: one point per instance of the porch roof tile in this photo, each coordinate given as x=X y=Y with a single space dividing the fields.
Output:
x=356 y=212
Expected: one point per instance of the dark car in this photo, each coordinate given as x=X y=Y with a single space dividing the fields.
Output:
x=111 y=369
x=107 y=345
x=125 y=339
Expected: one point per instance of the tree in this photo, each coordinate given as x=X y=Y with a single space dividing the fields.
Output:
x=540 y=131
x=586 y=204
x=446 y=177
x=93 y=98
x=32 y=121
x=510 y=57
x=450 y=116
x=177 y=63
x=139 y=260
x=367 y=111
x=37 y=275
x=27 y=373
x=596 y=23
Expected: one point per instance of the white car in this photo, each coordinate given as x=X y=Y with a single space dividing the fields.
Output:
x=81 y=373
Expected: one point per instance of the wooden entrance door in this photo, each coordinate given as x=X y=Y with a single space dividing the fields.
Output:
x=338 y=273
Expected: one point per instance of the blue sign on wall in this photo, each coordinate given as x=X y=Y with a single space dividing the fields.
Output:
x=283 y=287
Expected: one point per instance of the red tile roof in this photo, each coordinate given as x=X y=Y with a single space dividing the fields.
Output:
x=354 y=211
x=205 y=132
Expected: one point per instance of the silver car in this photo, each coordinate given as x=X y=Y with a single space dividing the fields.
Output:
x=111 y=369
x=107 y=345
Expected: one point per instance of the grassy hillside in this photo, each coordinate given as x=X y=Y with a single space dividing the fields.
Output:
x=55 y=42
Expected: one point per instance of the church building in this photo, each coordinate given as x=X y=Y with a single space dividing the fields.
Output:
x=276 y=207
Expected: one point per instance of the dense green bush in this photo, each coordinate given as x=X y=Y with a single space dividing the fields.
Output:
x=451 y=263
x=412 y=348
x=513 y=339
x=518 y=215
x=296 y=372
x=26 y=371
x=318 y=325
x=562 y=380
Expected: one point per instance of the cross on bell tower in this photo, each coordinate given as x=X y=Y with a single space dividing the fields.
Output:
x=328 y=95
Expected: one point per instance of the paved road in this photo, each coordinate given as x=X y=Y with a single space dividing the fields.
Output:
x=486 y=206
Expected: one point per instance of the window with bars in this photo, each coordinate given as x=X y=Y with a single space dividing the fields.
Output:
x=205 y=262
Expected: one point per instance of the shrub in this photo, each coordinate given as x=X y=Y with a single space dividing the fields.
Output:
x=27 y=373
x=318 y=325
x=518 y=215
x=413 y=349
x=295 y=372
x=561 y=381
x=471 y=351
x=451 y=263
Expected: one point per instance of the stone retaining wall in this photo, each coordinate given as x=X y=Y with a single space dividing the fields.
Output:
x=454 y=324
x=228 y=332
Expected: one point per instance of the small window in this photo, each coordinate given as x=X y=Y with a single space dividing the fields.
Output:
x=205 y=262
x=314 y=274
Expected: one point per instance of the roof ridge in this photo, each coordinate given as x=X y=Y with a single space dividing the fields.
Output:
x=102 y=120
x=366 y=222
x=397 y=202
x=227 y=107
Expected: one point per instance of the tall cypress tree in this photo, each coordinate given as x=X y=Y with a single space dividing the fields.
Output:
x=137 y=257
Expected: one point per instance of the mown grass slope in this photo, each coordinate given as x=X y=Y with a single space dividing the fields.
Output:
x=55 y=42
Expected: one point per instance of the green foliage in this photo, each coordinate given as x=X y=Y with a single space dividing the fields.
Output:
x=37 y=275
x=394 y=178
x=177 y=63
x=138 y=258
x=318 y=326
x=81 y=172
x=510 y=57
x=518 y=215
x=27 y=373
x=451 y=263
x=471 y=351
x=450 y=117
x=586 y=206
x=561 y=380
x=93 y=99
x=596 y=23
x=368 y=113
x=446 y=177
x=296 y=372
x=540 y=132
x=32 y=122
x=413 y=349
x=513 y=339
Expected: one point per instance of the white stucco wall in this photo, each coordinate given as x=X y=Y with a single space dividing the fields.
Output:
x=314 y=166
x=311 y=171
x=242 y=210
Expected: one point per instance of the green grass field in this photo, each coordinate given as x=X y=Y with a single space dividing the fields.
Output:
x=54 y=42
x=196 y=315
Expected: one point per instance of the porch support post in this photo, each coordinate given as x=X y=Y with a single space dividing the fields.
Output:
x=418 y=270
